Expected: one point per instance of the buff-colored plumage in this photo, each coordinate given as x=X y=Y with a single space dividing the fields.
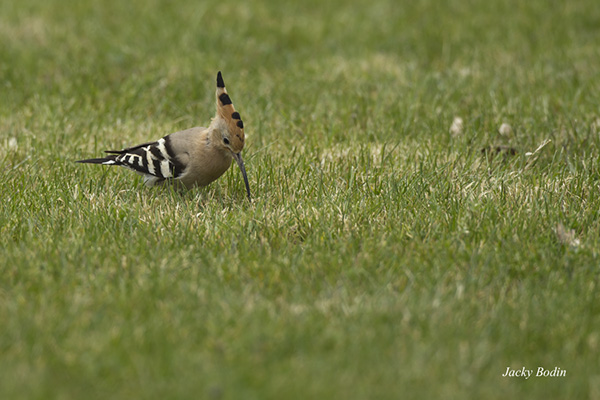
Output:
x=193 y=157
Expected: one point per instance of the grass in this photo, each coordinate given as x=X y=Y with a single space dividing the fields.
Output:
x=382 y=256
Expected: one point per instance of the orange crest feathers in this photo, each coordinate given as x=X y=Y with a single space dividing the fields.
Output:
x=226 y=111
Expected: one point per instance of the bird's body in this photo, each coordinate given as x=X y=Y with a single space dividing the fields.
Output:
x=206 y=169
x=193 y=157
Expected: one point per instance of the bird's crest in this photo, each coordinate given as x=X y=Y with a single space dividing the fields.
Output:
x=226 y=111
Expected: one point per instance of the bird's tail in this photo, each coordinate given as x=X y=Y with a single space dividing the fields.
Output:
x=108 y=160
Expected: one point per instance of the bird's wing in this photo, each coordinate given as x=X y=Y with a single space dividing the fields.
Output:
x=164 y=159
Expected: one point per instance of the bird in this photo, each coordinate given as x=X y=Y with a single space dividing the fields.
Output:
x=192 y=157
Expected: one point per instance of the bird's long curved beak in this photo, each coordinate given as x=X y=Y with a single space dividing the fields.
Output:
x=240 y=163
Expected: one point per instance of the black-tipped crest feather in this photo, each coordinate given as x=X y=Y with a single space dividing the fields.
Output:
x=225 y=100
x=220 y=82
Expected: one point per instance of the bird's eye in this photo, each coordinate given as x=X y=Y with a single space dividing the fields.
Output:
x=225 y=140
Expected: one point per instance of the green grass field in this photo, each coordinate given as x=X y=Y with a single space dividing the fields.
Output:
x=382 y=257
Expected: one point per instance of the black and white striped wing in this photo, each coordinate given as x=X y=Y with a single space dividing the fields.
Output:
x=155 y=160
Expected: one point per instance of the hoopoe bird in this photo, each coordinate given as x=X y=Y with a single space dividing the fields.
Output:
x=193 y=157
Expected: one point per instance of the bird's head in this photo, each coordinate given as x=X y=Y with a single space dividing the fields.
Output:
x=229 y=127
x=228 y=121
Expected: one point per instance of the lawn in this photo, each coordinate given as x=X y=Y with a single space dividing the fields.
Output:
x=387 y=253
